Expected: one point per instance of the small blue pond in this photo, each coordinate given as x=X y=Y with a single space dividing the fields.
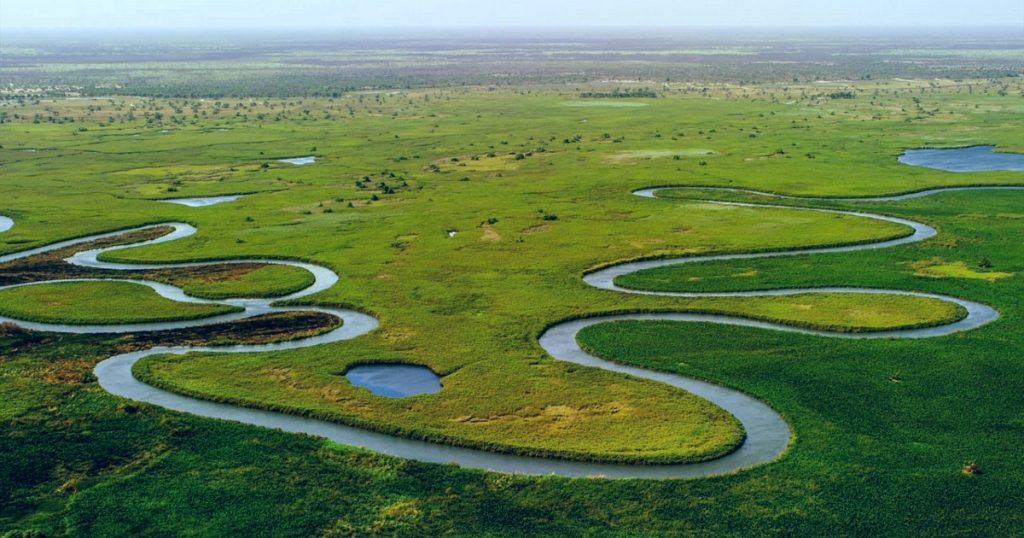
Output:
x=395 y=380
x=299 y=161
x=202 y=201
x=971 y=159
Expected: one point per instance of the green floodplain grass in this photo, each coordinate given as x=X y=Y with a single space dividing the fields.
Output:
x=586 y=417
x=882 y=428
x=99 y=303
x=270 y=280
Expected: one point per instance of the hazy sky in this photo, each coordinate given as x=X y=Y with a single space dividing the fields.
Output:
x=199 y=14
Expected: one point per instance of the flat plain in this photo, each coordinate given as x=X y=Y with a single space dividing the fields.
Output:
x=463 y=219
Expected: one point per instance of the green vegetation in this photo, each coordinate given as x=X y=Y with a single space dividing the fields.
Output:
x=841 y=312
x=269 y=280
x=340 y=64
x=872 y=447
x=99 y=303
x=585 y=417
x=620 y=93
x=939 y=268
x=638 y=154
x=882 y=428
x=606 y=104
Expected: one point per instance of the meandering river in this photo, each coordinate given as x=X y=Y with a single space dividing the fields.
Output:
x=767 y=434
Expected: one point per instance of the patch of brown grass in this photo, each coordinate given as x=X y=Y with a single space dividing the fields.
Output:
x=489 y=233
x=536 y=228
x=971 y=469
x=66 y=372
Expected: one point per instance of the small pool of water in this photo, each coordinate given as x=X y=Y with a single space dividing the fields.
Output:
x=970 y=159
x=5 y=223
x=202 y=201
x=395 y=380
x=299 y=161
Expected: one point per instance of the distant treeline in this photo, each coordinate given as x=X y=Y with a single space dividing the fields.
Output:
x=296 y=67
x=618 y=93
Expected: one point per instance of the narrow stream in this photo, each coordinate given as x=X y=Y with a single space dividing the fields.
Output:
x=767 y=434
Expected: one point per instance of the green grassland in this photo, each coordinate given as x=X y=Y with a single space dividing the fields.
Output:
x=585 y=417
x=882 y=428
x=99 y=303
x=268 y=280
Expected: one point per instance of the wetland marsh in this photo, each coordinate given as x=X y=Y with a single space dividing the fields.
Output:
x=746 y=289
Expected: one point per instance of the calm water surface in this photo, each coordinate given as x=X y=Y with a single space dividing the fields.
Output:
x=395 y=380
x=299 y=161
x=972 y=159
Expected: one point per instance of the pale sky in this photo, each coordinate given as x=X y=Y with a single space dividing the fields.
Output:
x=206 y=14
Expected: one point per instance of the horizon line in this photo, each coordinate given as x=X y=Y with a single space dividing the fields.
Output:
x=1016 y=25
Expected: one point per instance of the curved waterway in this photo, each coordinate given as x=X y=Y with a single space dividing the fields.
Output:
x=767 y=433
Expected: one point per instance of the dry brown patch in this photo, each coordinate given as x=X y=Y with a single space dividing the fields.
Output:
x=66 y=372
x=552 y=417
x=489 y=233
x=395 y=335
x=207 y=274
x=279 y=373
x=332 y=394
x=971 y=469
x=646 y=242
x=536 y=228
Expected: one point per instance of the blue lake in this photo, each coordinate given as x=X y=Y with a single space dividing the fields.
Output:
x=395 y=380
x=970 y=159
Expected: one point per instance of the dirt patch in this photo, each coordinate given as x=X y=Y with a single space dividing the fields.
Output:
x=489 y=233
x=67 y=372
x=536 y=228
